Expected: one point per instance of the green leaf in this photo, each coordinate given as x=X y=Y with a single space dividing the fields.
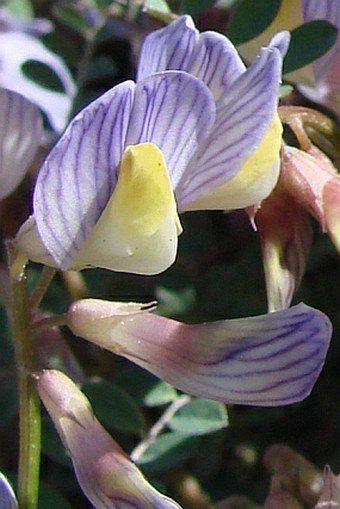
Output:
x=199 y=417
x=147 y=389
x=50 y=498
x=114 y=407
x=174 y=302
x=43 y=75
x=20 y=8
x=251 y=18
x=195 y=6
x=168 y=450
x=158 y=9
x=309 y=42
x=101 y=4
x=72 y=17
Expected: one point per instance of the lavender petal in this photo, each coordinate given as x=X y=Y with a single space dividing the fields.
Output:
x=7 y=496
x=216 y=62
x=20 y=135
x=244 y=115
x=169 y=48
x=175 y=111
x=78 y=176
x=267 y=360
x=24 y=47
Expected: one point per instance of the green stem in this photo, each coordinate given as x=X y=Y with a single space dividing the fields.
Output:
x=29 y=406
x=39 y=291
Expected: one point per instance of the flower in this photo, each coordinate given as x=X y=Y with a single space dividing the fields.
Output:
x=20 y=136
x=107 y=194
x=309 y=184
x=105 y=473
x=24 y=49
x=7 y=497
x=320 y=80
x=330 y=496
x=267 y=360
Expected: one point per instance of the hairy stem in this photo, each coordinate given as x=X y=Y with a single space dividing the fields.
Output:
x=29 y=405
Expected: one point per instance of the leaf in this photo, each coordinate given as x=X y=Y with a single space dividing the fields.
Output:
x=174 y=301
x=147 y=389
x=308 y=42
x=251 y=18
x=195 y=6
x=158 y=9
x=157 y=5
x=20 y=8
x=43 y=75
x=114 y=407
x=47 y=494
x=199 y=417
x=72 y=17
x=168 y=450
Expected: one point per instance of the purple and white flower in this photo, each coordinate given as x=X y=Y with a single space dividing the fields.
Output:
x=109 y=479
x=7 y=496
x=203 y=135
x=20 y=136
x=17 y=47
x=266 y=360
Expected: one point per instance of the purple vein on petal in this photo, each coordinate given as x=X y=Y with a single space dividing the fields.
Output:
x=78 y=176
x=216 y=62
x=175 y=111
x=169 y=48
x=244 y=114
x=20 y=136
x=266 y=360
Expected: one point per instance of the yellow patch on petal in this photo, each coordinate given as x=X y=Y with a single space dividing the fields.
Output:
x=254 y=181
x=143 y=193
x=137 y=231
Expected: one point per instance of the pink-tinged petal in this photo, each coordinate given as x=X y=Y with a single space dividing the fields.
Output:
x=279 y=497
x=286 y=235
x=105 y=473
x=330 y=496
x=267 y=360
x=23 y=48
x=314 y=182
x=296 y=472
x=244 y=116
x=169 y=48
x=331 y=199
x=79 y=174
x=20 y=136
x=7 y=496
x=175 y=111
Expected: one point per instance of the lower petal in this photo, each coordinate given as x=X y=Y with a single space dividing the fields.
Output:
x=137 y=232
x=267 y=360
